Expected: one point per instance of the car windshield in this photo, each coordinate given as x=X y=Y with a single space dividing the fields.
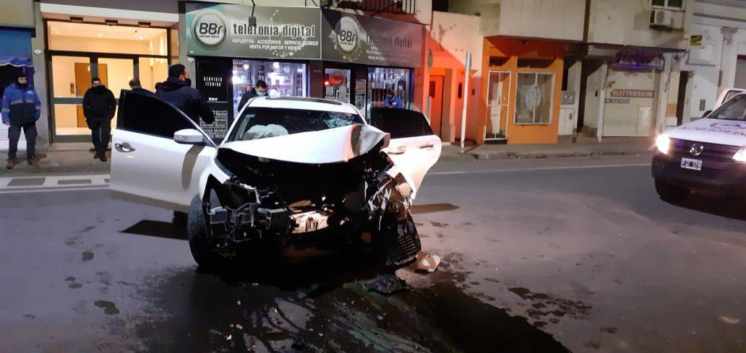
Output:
x=258 y=123
x=733 y=109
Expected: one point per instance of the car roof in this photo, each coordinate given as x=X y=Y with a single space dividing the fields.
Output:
x=304 y=103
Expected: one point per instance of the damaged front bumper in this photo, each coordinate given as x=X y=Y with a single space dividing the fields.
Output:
x=372 y=212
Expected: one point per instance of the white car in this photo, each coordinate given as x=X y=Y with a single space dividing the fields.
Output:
x=291 y=173
x=706 y=155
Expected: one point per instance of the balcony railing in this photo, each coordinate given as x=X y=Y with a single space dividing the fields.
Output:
x=378 y=6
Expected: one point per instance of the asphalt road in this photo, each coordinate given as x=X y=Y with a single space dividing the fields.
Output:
x=539 y=256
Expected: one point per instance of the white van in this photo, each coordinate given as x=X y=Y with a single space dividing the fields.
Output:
x=708 y=154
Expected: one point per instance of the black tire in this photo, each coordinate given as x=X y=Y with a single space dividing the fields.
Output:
x=670 y=193
x=180 y=221
x=199 y=244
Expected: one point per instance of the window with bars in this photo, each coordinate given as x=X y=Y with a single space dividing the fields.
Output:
x=534 y=98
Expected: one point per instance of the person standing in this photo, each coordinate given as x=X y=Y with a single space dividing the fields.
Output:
x=177 y=90
x=99 y=106
x=258 y=91
x=21 y=109
x=136 y=86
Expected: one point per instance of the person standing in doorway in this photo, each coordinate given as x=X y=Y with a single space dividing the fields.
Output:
x=136 y=86
x=392 y=101
x=99 y=106
x=21 y=109
x=259 y=90
x=177 y=90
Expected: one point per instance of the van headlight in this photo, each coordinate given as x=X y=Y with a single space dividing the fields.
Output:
x=740 y=156
x=663 y=143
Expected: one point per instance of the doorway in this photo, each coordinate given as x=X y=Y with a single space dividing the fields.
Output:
x=435 y=95
x=497 y=106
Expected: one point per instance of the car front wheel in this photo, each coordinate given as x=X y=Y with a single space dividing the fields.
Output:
x=670 y=193
x=199 y=242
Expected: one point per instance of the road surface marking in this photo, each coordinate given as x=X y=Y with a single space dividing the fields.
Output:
x=53 y=182
x=538 y=169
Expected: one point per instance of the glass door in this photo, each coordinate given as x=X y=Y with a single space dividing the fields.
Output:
x=71 y=77
x=499 y=91
x=115 y=74
x=337 y=84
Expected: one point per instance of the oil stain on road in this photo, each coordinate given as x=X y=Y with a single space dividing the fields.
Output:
x=322 y=306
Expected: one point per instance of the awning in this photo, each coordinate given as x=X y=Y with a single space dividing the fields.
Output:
x=16 y=44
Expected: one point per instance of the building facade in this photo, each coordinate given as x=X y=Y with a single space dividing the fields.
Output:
x=17 y=25
x=364 y=58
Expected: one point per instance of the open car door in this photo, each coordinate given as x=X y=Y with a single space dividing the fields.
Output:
x=148 y=164
x=413 y=147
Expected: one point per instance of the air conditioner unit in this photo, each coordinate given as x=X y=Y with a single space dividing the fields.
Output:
x=661 y=18
x=666 y=19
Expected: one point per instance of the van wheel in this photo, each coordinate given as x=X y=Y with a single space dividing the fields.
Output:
x=199 y=243
x=670 y=193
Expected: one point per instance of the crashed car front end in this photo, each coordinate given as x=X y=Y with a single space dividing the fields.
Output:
x=356 y=198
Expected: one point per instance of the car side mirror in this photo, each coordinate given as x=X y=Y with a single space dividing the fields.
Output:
x=386 y=140
x=189 y=137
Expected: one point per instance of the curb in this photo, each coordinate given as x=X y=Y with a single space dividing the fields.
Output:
x=538 y=155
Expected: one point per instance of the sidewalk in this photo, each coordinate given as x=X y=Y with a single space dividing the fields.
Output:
x=60 y=159
x=75 y=159
x=583 y=147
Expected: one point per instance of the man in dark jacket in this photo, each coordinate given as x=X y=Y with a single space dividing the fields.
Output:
x=99 y=106
x=21 y=109
x=259 y=90
x=136 y=86
x=177 y=90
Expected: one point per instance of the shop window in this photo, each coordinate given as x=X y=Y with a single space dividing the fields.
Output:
x=149 y=115
x=669 y=4
x=389 y=87
x=151 y=71
x=282 y=78
x=534 y=98
x=99 y=38
x=337 y=84
x=400 y=123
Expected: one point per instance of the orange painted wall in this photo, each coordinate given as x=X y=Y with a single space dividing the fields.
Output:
x=445 y=62
x=512 y=50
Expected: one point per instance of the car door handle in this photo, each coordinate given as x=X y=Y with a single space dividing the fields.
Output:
x=427 y=147
x=124 y=147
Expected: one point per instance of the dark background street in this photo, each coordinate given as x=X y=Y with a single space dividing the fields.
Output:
x=549 y=255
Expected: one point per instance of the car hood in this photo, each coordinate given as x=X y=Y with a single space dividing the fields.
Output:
x=724 y=132
x=315 y=147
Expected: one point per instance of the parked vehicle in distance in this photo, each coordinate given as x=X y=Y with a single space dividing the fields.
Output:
x=291 y=173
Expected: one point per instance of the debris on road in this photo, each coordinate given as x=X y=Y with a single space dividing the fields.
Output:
x=730 y=320
x=386 y=284
x=427 y=262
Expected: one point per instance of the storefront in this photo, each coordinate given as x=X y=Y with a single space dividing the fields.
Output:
x=16 y=31
x=365 y=61
x=115 y=53
x=523 y=90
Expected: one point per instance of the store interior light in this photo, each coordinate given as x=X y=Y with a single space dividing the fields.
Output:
x=246 y=67
x=276 y=65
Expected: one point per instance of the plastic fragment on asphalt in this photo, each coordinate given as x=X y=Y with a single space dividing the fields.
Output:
x=427 y=262
x=238 y=326
x=238 y=302
x=229 y=337
x=386 y=284
x=730 y=320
